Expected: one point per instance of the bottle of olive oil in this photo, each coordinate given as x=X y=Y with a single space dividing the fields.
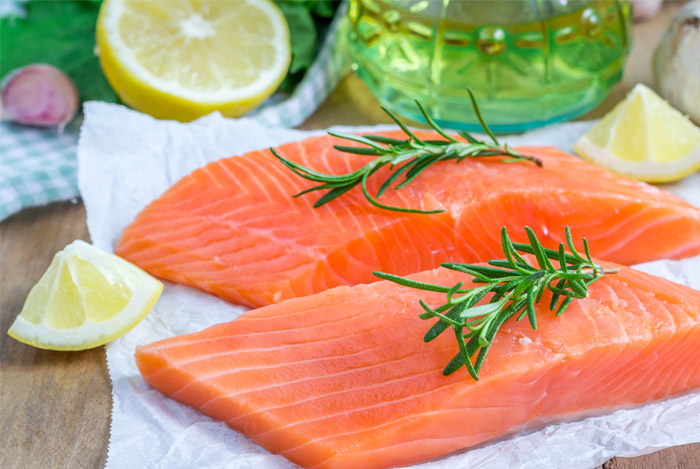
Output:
x=528 y=62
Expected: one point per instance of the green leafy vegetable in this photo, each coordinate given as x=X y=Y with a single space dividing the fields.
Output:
x=60 y=33
x=302 y=32
x=308 y=22
x=515 y=285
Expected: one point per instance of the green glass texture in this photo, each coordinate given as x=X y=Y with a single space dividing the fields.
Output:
x=528 y=62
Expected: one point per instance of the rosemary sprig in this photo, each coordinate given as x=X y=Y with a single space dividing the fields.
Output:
x=407 y=158
x=515 y=285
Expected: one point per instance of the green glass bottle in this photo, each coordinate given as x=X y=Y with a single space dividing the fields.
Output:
x=528 y=62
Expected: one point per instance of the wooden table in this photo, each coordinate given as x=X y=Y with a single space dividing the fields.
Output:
x=55 y=407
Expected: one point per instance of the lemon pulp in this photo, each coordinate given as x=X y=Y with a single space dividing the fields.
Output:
x=85 y=298
x=645 y=138
x=181 y=59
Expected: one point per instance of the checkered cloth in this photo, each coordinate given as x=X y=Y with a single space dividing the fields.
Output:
x=39 y=166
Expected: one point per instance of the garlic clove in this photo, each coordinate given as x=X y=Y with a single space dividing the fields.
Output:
x=40 y=95
x=645 y=9
x=676 y=62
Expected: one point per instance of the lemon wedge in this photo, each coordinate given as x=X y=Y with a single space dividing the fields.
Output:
x=182 y=59
x=85 y=299
x=643 y=137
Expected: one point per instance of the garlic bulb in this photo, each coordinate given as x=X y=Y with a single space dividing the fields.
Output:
x=40 y=95
x=677 y=61
x=645 y=9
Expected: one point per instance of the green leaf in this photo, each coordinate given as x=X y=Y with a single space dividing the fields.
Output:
x=440 y=326
x=324 y=8
x=308 y=22
x=532 y=317
x=302 y=33
x=483 y=310
x=61 y=34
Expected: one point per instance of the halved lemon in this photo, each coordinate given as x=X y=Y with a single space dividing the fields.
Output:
x=645 y=138
x=182 y=59
x=85 y=299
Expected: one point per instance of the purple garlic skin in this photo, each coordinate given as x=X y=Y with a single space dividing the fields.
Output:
x=645 y=9
x=40 y=95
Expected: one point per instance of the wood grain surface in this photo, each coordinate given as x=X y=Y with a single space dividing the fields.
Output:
x=55 y=406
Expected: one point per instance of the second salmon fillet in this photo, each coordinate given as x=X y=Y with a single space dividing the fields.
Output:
x=343 y=379
x=233 y=229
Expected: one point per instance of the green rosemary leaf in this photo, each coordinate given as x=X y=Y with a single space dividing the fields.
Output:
x=358 y=139
x=467 y=136
x=440 y=326
x=491 y=335
x=431 y=313
x=384 y=140
x=481 y=119
x=562 y=258
x=419 y=155
x=555 y=296
x=520 y=287
x=483 y=310
x=454 y=365
x=587 y=250
x=482 y=269
x=411 y=283
x=314 y=175
x=564 y=304
x=521 y=309
x=538 y=249
x=330 y=195
x=531 y=307
x=541 y=287
x=510 y=250
x=401 y=125
x=578 y=287
x=570 y=243
x=378 y=204
x=418 y=168
x=406 y=156
x=453 y=290
x=394 y=176
x=432 y=123
x=565 y=292
x=466 y=356
x=515 y=287
x=314 y=188
x=550 y=253
x=357 y=150
x=519 y=266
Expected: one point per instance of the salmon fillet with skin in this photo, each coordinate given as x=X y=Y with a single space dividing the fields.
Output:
x=233 y=229
x=343 y=379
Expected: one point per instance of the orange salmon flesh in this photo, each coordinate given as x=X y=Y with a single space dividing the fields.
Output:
x=343 y=379
x=233 y=229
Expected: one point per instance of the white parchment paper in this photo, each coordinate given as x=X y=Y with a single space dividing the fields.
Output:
x=127 y=159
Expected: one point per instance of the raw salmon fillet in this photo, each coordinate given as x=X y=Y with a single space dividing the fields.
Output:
x=233 y=229
x=343 y=379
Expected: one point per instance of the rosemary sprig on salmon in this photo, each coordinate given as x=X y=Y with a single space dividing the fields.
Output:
x=408 y=157
x=515 y=285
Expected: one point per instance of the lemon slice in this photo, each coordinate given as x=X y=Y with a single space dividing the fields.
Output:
x=643 y=137
x=85 y=299
x=182 y=59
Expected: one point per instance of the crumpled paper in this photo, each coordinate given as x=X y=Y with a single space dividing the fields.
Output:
x=127 y=159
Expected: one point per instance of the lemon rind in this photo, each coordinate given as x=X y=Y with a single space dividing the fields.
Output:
x=145 y=292
x=127 y=68
x=88 y=335
x=648 y=171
